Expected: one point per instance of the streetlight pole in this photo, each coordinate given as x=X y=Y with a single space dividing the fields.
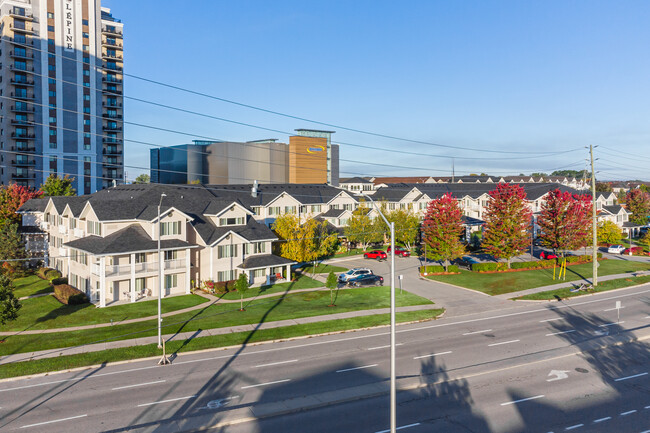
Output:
x=393 y=393
x=594 y=227
x=160 y=275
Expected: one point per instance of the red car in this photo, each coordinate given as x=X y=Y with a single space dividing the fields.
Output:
x=399 y=251
x=378 y=255
x=547 y=256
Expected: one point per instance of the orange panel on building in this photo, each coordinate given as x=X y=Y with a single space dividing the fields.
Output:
x=307 y=159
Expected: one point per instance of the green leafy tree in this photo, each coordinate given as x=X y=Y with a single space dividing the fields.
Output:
x=361 y=229
x=407 y=226
x=142 y=178
x=12 y=246
x=638 y=202
x=603 y=187
x=331 y=283
x=56 y=186
x=442 y=228
x=645 y=239
x=578 y=174
x=304 y=242
x=507 y=222
x=608 y=233
x=9 y=305
x=538 y=175
x=242 y=286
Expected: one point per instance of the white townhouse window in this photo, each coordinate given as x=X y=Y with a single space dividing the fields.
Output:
x=274 y=210
x=94 y=228
x=349 y=206
x=226 y=275
x=171 y=281
x=255 y=248
x=402 y=205
x=334 y=206
x=257 y=210
x=73 y=223
x=391 y=206
x=140 y=257
x=226 y=251
x=140 y=284
x=290 y=209
x=82 y=258
x=257 y=273
x=170 y=228
x=234 y=221
x=315 y=208
x=171 y=255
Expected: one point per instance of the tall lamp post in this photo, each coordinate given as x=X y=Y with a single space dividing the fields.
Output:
x=393 y=394
x=160 y=275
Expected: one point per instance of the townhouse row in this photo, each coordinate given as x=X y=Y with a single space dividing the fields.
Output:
x=106 y=243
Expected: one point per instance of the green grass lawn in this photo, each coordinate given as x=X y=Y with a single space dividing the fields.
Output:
x=322 y=268
x=498 y=283
x=31 y=285
x=296 y=305
x=602 y=286
x=95 y=358
x=48 y=313
x=302 y=282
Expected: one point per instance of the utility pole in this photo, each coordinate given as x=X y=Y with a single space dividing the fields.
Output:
x=453 y=170
x=593 y=218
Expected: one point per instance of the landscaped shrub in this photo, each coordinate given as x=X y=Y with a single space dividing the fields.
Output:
x=536 y=264
x=483 y=267
x=48 y=273
x=58 y=281
x=66 y=294
x=435 y=269
x=218 y=287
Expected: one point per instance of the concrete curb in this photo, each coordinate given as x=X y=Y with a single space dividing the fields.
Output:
x=636 y=286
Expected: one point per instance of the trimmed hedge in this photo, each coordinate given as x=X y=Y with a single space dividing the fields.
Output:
x=537 y=264
x=48 y=274
x=58 y=281
x=482 y=267
x=220 y=287
x=66 y=294
x=436 y=269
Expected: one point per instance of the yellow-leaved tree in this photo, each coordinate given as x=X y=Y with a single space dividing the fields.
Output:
x=304 y=241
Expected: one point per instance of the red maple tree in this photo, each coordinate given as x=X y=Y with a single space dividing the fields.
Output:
x=507 y=222
x=638 y=202
x=441 y=228
x=12 y=197
x=565 y=220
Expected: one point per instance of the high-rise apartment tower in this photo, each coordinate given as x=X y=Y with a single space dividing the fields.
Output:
x=61 y=93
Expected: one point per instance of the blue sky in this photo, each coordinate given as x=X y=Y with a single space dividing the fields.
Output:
x=511 y=76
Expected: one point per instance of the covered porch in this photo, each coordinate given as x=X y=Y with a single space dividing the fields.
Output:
x=266 y=269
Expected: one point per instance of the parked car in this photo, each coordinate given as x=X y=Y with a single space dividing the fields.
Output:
x=465 y=262
x=377 y=255
x=366 y=280
x=353 y=273
x=399 y=251
x=547 y=256
x=616 y=249
x=633 y=250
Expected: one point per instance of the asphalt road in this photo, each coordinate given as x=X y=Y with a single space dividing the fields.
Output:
x=562 y=366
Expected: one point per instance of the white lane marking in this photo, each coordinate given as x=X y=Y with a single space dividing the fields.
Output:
x=93 y=375
x=433 y=354
x=560 y=333
x=275 y=363
x=607 y=418
x=523 y=399
x=630 y=377
x=400 y=428
x=647 y=407
x=628 y=412
x=265 y=383
x=610 y=324
x=551 y=320
x=477 y=332
x=383 y=347
x=503 y=342
x=356 y=368
x=167 y=401
x=612 y=309
x=140 y=384
x=574 y=427
x=53 y=421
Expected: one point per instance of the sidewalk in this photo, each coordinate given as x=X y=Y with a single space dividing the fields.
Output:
x=28 y=356
x=564 y=284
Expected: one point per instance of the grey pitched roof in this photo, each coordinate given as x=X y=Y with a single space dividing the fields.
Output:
x=129 y=239
x=34 y=205
x=252 y=231
x=469 y=221
x=332 y=213
x=395 y=192
x=614 y=209
x=354 y=180
x=263 y=261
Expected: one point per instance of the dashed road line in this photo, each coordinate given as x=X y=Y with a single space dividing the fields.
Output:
x=610 y=324
x=400 y=428
x=630 y=377
x=356 y=368
x=429 y=356
x=574 y=427
x=503 y=342
x=139 y=384
x=265 y=383
x=562 y=332
x=166 y=401
x=629 y=412
x=275 y=363
x=383 y=347
x=53 y=421
x=551 y=320
x=607 y=418
x=522 y=400
x=477 y=332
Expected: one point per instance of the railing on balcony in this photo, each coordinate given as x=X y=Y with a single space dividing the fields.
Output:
x=175 y=264
x=22 y=163
x=22 y=109
x=78 y=233
x=63 y=229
